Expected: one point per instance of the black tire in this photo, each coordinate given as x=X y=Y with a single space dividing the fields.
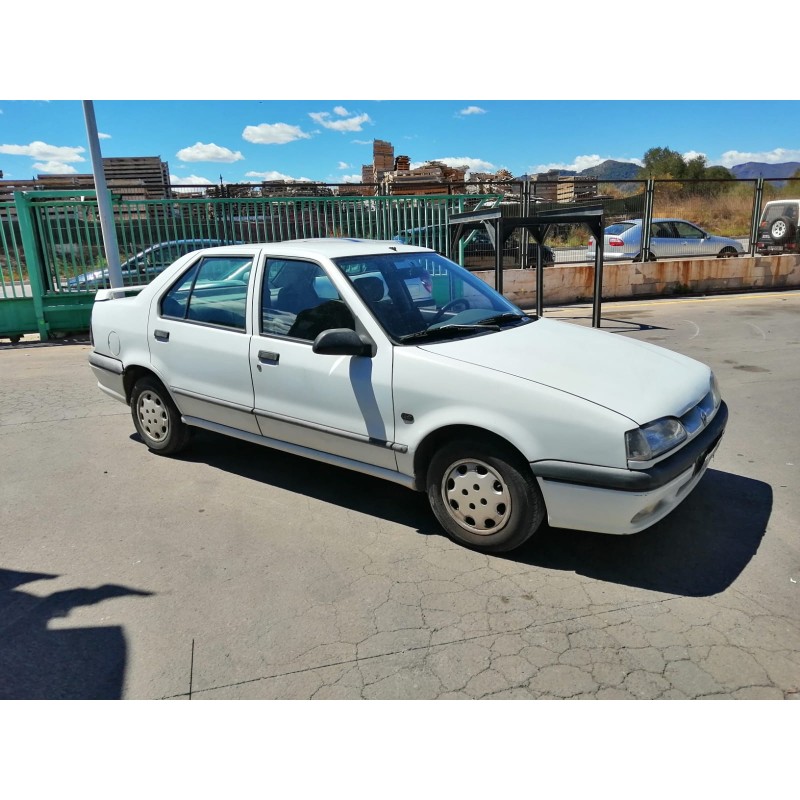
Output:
x=727 y=252
x=650 y=257
x=781 y=230
x=157 y=418
x=502 y=506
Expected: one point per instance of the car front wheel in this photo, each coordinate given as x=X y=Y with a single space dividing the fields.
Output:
x=727 y=252
x=157 y=419
x=484 y=495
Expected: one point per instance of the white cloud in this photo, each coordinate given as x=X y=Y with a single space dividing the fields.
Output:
x=189 y=180
x=343 y=165
x=277 y=133
x=103 y=135
x=209 y=152
x=692 y=154
x=349 y=179
x=273 y=175
x=44 y=151
x=361 y=141
x=355 y=123
x=472 y=164
x=341 y=111
x=582 y=162
x=54 y=168
x=731 y=158
x=470 y=110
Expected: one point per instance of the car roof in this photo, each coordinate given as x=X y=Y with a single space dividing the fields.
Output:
x=328 y=247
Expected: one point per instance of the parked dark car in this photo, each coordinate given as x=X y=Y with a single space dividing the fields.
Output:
x=142 y=267
x=479 y=251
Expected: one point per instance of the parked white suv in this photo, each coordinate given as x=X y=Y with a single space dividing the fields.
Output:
x=505 y=420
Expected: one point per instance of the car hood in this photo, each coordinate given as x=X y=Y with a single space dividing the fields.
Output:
x=639 y=380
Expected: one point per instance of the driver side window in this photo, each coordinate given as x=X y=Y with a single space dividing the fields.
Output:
x=298 y=300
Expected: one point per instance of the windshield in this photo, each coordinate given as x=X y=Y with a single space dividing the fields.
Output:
x=418 y=296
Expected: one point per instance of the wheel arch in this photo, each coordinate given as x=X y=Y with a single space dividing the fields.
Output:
x=132 y=374
x=441 y=436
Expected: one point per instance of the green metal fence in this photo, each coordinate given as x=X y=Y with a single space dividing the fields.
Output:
x=54 y=259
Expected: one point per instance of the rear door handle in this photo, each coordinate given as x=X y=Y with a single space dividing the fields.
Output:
x=268 y=355
x=162 y=336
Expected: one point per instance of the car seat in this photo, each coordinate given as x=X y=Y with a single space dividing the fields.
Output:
x=370 y=288
x=311 y=322
x=299 y=294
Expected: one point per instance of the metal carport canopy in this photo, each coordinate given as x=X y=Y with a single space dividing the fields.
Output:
x=499 y=228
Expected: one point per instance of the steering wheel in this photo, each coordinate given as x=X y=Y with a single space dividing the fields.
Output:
x=458 y=305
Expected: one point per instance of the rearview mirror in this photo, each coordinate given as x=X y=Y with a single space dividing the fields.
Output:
x=343 y=342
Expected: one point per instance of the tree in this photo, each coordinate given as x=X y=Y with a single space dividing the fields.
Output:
x=694 y=174
x=661 y=162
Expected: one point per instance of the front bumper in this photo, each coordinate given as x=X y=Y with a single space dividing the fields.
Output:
x=589 y=498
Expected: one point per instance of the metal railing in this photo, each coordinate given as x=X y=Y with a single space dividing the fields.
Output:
x=52 y=258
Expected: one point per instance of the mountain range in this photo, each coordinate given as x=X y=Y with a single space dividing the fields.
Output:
x=611 y=170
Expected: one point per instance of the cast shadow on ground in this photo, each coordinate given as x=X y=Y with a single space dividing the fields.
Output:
x=39 y=663
x=698 y=550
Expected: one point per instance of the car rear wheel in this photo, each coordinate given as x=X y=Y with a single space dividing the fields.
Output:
x=781 y=230
x=484 y=495
x=648 y=257
x=727 y=252
x=157 y=418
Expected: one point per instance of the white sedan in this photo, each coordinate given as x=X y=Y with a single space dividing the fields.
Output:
x=321 y=348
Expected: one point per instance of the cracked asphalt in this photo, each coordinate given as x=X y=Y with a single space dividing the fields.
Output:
x=236 y=572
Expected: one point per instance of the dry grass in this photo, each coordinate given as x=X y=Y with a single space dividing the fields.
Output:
x=727 y=215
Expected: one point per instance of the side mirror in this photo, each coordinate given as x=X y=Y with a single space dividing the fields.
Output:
x=343 y=342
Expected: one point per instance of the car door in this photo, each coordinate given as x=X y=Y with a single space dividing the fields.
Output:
x=199 y=341
x=335 y=404
x=663 y=239
x=691 y=240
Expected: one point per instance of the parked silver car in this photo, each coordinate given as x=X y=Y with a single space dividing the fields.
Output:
x=669 y=238
x=142 y=267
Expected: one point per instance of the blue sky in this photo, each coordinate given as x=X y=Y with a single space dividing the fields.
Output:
x=329 y=140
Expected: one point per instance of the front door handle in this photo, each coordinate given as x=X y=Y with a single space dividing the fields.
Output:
x=162 y=336
x=268 y=355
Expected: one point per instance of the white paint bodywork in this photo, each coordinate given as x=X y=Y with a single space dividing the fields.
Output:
x=554 y=391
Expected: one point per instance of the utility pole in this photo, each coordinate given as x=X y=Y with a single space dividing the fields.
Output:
x=103 y=199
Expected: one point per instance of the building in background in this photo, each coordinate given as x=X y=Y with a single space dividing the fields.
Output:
x=134 y=178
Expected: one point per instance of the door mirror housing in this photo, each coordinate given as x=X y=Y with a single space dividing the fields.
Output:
x=343 y=342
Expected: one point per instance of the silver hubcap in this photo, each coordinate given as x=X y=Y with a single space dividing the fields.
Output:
x=476 y=497
x=778 y=229
x=153 y=416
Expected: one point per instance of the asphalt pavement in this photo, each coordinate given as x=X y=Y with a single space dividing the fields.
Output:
x=237 y=572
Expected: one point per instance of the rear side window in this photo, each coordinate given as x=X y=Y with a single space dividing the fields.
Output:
x=772 y=212
x=212 y=292
x=618 y=228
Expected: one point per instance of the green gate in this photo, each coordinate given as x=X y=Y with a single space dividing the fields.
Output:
x=52 y=259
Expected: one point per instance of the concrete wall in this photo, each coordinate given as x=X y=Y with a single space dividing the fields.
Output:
x=575 y=284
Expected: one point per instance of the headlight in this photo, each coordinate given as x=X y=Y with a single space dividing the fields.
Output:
x=650 y=441
x=714 y=389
